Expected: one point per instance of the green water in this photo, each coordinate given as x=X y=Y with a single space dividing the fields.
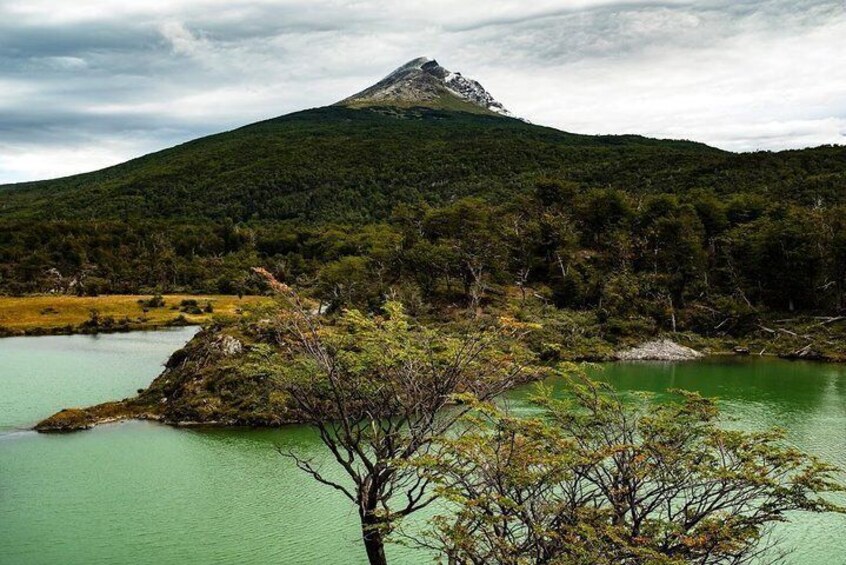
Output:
x=144 y=493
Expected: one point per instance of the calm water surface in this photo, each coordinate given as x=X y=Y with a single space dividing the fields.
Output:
x=144 y=493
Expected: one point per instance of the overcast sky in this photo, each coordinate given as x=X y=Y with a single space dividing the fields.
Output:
x=90 y=83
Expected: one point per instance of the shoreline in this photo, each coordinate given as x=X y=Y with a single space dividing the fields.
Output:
x=208 y=382
x=72 y=420
x=71 y=330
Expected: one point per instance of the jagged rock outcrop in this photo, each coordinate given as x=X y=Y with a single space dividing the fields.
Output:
x=424 y=82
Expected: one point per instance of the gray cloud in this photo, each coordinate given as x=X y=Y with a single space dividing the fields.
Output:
x=94 y=82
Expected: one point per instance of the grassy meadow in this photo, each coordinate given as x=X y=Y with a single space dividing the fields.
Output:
x=68 y=314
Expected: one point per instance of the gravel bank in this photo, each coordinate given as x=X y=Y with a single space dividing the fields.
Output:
x=659 y=350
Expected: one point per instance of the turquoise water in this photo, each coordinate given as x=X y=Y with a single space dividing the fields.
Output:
x=40 y=375
x=139 y=492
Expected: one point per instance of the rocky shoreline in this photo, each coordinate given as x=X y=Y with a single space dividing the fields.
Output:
x=208 y=383
x=203 y=384
x=659 y=350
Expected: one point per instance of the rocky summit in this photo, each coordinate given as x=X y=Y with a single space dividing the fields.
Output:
x=424 y=82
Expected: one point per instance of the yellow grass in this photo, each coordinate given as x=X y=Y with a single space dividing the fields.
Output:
x=50 y=312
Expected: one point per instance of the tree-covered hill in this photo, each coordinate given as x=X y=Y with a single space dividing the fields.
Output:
x=447 y=209
x=354 y=165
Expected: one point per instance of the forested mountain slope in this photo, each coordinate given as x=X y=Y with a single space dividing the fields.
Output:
x=425 y=188
x=343 y=164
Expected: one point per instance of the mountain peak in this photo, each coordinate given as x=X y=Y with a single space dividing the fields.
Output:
x=423 y=82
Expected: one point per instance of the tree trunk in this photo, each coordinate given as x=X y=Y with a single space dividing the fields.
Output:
x=673 y=314
x=374 y=543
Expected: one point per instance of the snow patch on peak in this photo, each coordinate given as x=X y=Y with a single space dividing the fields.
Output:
x=423 y=80
x=472 y=91
x=411 y=65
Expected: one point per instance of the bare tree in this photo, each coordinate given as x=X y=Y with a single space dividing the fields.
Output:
x=381 y=391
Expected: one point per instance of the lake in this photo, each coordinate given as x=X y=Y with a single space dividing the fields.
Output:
x=140 y=492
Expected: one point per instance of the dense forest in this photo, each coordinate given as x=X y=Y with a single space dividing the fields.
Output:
x=447 y=208
x=596 y=248
x=345 y=165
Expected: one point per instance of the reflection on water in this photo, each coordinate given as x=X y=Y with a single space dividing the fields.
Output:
x=144 y=493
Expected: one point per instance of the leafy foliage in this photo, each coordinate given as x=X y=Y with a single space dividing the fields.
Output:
x=356 y=205
x=599 y=481
x=380 y=391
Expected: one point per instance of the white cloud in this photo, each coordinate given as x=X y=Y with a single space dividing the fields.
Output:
x=22 y=163
x=63 y=63
x=82 y=82
x=181 y=39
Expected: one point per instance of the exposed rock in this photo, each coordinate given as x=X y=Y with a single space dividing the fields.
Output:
x=202 y=384
x=423 y=81
x=659 y=350
x=807 y=353
x=229 y=346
